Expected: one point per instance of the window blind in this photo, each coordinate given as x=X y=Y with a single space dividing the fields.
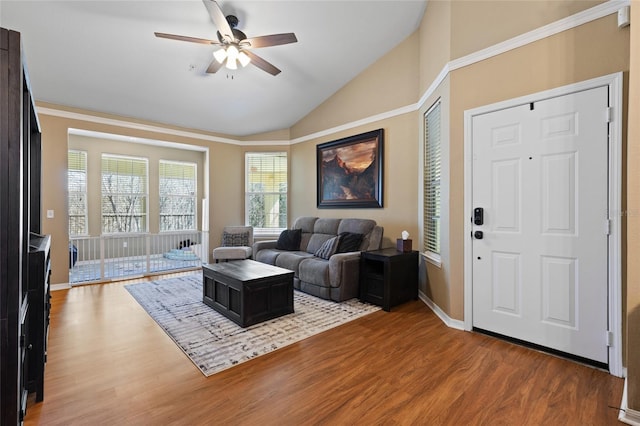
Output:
x=432 y=193
x=124 y=194
x=77 y=188
x=266 y=190
x=177 y=192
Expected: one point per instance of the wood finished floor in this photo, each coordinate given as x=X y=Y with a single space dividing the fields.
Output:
x=109 y=363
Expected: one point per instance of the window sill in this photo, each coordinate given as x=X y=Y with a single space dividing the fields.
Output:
x=267 y=234
x=432 y=258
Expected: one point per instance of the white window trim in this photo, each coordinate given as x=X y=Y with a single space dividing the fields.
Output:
x=432 y=257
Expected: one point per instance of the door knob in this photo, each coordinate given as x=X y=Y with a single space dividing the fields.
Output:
x=478 y=235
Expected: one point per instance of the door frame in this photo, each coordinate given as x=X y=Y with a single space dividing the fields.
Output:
x=614 y=82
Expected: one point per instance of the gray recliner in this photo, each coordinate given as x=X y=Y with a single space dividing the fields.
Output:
x=336 y=278
x=237 y=242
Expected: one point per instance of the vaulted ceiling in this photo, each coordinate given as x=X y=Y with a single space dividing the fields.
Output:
x=103 y=56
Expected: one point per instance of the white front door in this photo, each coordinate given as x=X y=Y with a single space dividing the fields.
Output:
x=540 y=174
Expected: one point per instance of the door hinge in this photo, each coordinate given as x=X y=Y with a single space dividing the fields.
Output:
x=609 y=338
x=607 y=227
x=609 y=115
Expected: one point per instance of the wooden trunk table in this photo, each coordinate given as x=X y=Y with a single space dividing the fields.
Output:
x=248 y=292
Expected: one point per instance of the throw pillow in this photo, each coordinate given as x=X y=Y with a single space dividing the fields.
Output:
x=329 y=248
x=349 y=241
x=289 y=239
x=235 y=239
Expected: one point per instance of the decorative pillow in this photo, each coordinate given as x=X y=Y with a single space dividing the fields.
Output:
x=349 y=241
x=235 y=239
x=289 y=239
x=329 y=248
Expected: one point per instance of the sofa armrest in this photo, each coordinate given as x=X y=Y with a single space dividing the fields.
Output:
x=344 y=273
x=261 y=245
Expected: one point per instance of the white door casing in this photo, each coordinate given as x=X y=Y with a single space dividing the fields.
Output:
x=542 y=169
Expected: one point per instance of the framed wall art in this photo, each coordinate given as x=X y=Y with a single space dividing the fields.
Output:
x=350 y=171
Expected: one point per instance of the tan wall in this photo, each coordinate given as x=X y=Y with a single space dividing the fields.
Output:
x=390 y=83
x=435 y=42
x=633 y=217
x=226 y=176
x=585 y=52
x=480 y=24
x=400 y=183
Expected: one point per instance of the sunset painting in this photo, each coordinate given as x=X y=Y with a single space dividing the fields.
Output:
x=349 y=171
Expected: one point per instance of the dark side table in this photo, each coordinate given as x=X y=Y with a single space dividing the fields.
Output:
x=388 y=277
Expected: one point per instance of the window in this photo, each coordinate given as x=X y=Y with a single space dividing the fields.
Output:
x=266 y=191
x=177 y=196
x=124 y=194
x=77 y=186
x=432 y=193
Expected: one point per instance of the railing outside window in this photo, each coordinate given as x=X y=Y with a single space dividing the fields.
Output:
x=113 y=257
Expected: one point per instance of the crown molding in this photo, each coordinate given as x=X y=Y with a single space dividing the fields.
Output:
x=599 y=11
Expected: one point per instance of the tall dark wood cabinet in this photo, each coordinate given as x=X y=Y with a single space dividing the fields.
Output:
x=21 y=314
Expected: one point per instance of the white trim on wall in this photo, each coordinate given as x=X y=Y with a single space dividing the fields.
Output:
x=626 y=414
x=589 y=15
x=614 y=82
x=600 y=11
x=449 y=322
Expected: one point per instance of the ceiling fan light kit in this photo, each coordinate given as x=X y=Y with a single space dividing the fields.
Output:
x=232 y=55
x=235 y=44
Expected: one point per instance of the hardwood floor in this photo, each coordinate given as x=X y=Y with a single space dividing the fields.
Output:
x=109 y=363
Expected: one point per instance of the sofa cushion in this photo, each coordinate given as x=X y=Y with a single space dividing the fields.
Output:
x=306 y=223
x=289 y=239
x=231 y=253
x=315 y=270
x=326 y=226
x=349 y=241
x=328 y=248
x=357 y=226
x=291 y=259
x=267 y=255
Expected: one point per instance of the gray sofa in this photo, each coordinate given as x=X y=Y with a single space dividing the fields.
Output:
x=335 y=278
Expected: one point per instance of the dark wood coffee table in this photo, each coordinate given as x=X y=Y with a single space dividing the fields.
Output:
x=248 y=292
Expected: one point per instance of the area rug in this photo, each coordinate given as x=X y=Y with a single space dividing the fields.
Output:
x=215 y=343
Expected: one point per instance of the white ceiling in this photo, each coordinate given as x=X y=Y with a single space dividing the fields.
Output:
x=103 y=56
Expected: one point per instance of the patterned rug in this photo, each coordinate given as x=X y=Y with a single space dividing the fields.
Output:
x=215 y=343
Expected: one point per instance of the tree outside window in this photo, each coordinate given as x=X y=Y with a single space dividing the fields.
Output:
x=177 y=196
x=77 y=186
x=124 y=194
x=266 y=190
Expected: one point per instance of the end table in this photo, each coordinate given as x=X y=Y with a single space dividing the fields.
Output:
x=388 y=277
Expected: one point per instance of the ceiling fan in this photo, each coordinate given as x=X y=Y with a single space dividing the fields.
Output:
x=235 y=44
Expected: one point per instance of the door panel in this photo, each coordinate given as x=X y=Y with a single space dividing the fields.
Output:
x=540 y=273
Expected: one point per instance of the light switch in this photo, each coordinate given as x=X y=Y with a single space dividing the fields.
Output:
x=49 y=214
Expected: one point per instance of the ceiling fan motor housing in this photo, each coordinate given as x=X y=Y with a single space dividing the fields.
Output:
x=237 y=34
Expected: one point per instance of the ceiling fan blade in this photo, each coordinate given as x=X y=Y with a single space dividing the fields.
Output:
x=270 y=40
x=214 y=66
x=261 y=63
x=186 y=38
x=219 y=20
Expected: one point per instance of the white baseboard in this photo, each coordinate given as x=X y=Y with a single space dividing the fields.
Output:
x=449 y=322
x=626 y=414
x=56 y=287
